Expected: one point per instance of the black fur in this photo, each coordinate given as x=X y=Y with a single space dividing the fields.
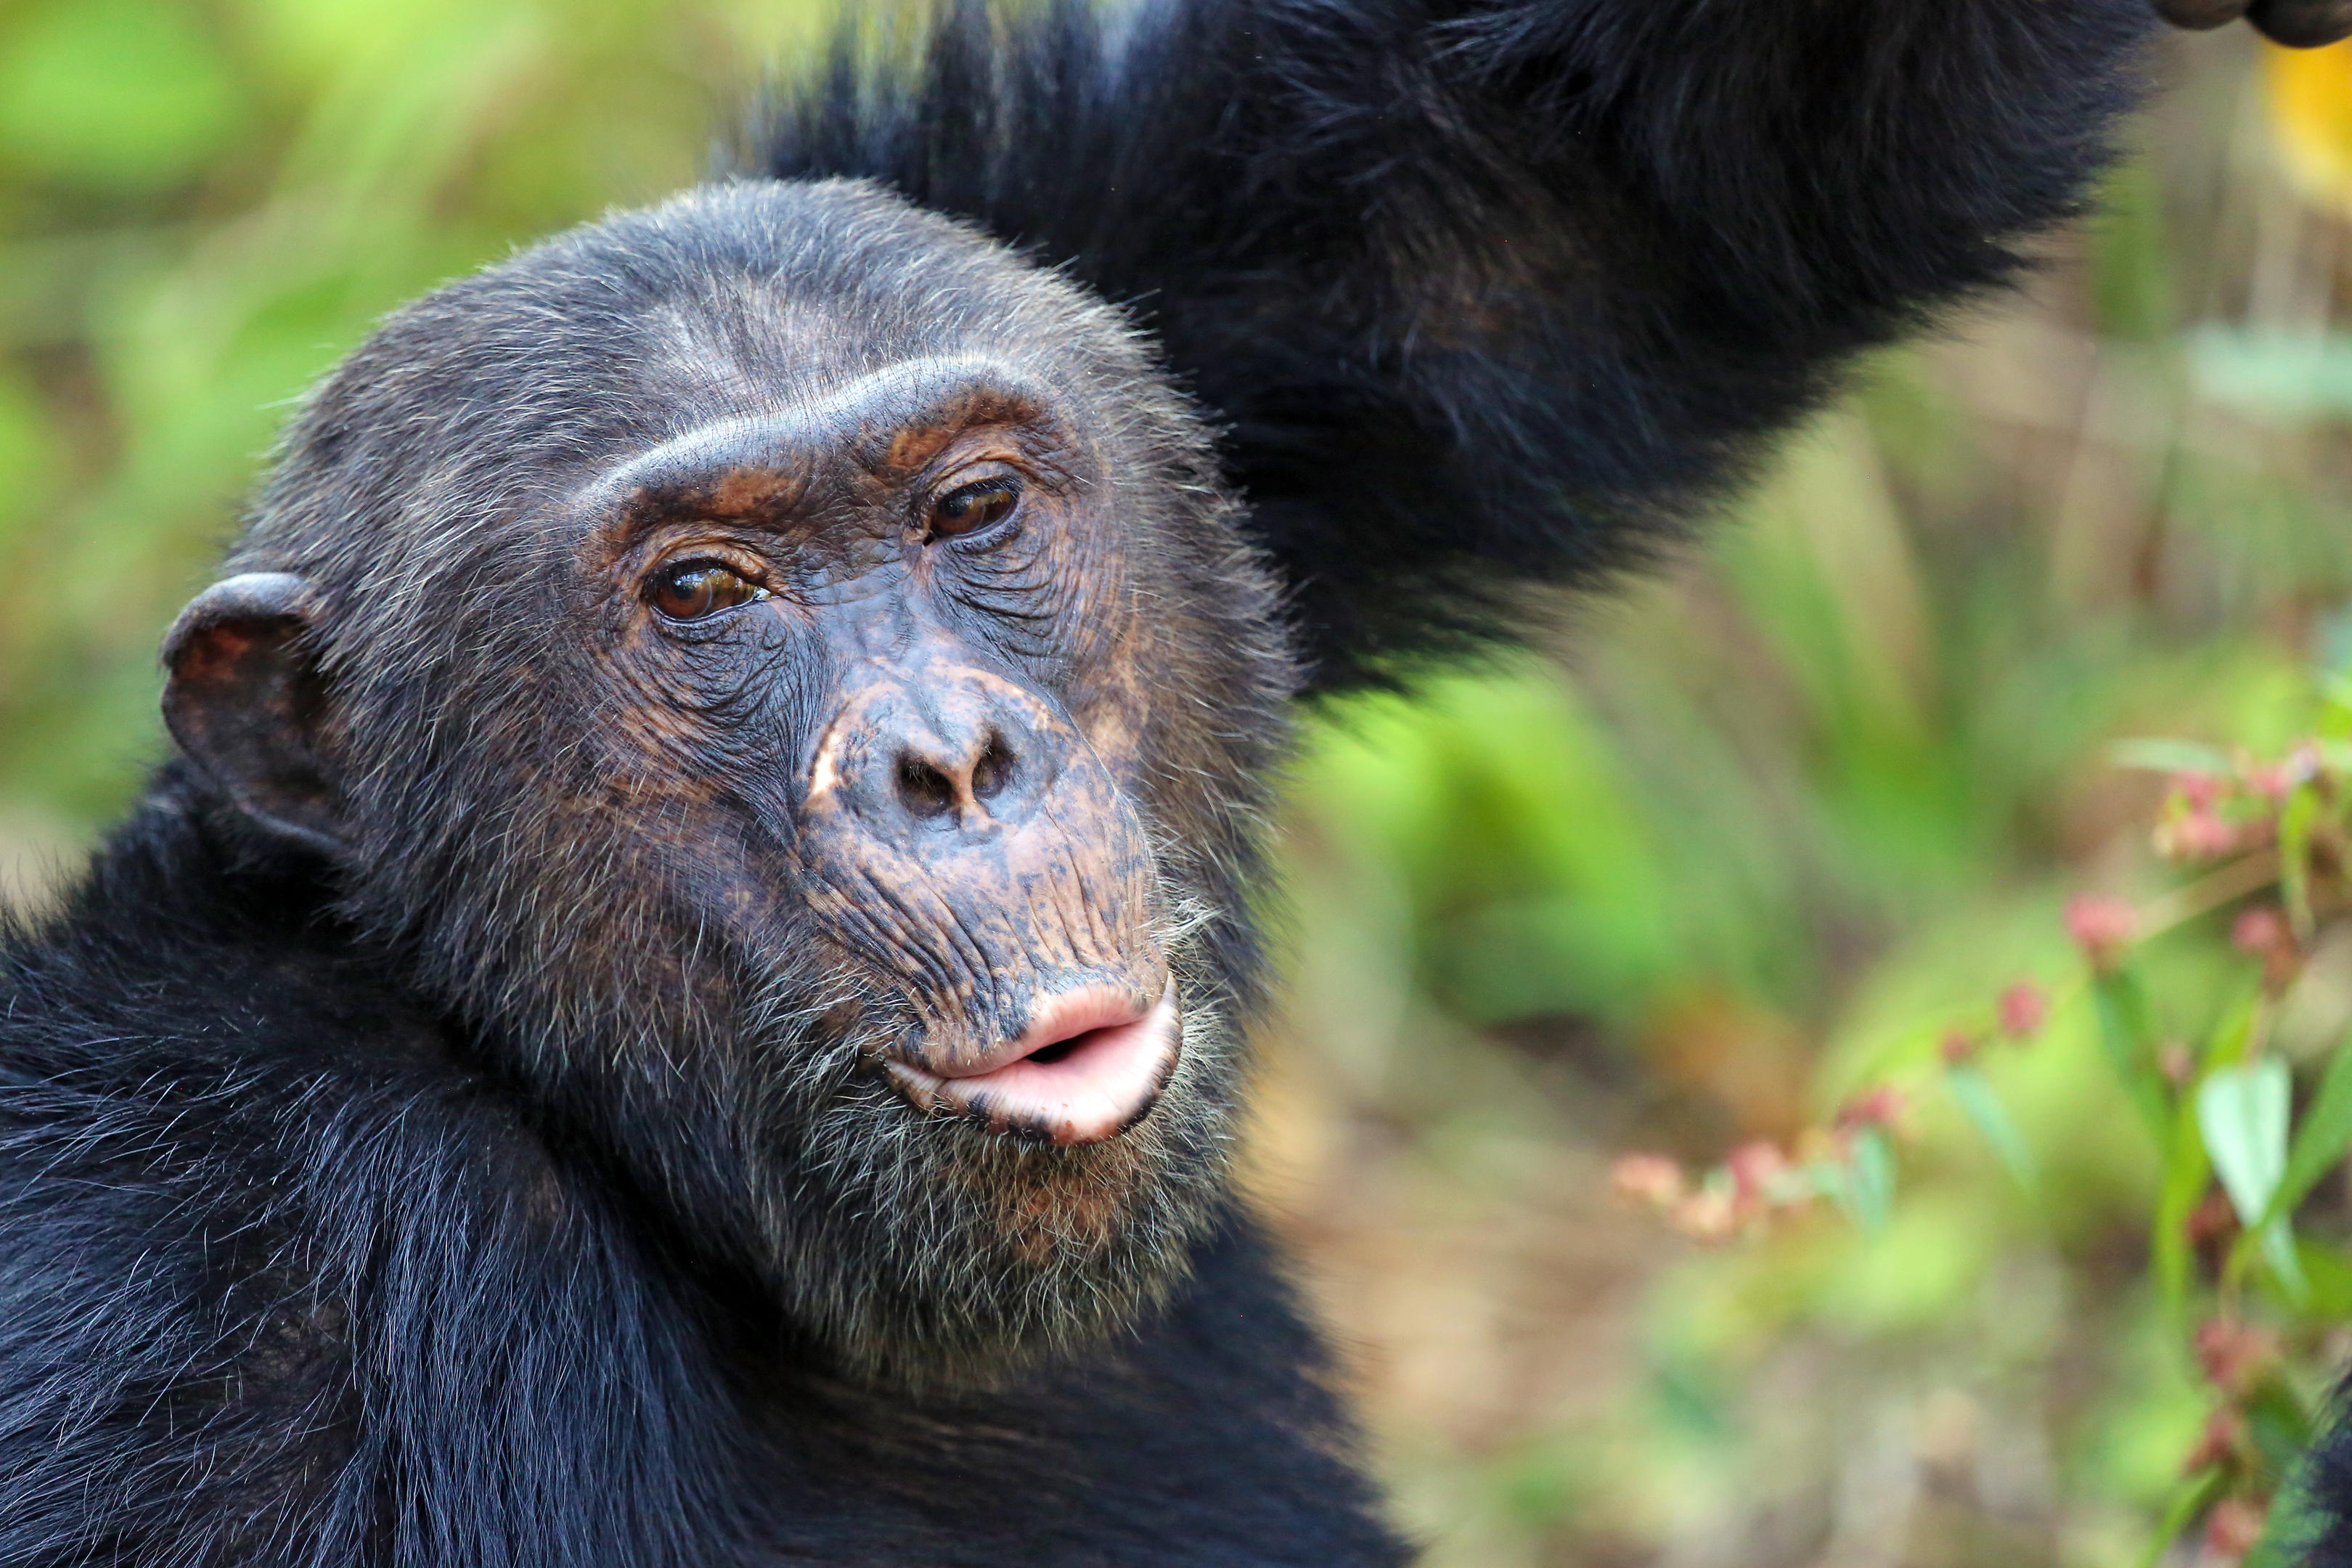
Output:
x=289 y=1280
x=1489 y=293
x=371 y=1210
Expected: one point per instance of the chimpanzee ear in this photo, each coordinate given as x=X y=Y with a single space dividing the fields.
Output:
x=245 y=703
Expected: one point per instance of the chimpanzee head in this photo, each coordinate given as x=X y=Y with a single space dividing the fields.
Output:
x=784 y=672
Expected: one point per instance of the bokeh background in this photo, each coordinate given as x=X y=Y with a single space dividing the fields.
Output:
x=1719 y=856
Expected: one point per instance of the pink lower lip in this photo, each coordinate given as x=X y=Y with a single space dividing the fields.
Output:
x=1096 y=1080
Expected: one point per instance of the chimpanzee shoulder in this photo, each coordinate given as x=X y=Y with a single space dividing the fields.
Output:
x=167 y=1363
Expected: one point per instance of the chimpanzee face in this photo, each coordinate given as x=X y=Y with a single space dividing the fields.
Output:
x=784 y=672
x=878 y=646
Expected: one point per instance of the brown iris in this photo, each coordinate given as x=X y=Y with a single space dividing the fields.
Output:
x=697 y=589
x=967 y=509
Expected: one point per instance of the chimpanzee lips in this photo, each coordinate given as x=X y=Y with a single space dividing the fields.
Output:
x=1087 y=1068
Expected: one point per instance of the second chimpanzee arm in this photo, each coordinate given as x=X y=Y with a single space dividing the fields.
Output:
x=1499 y=291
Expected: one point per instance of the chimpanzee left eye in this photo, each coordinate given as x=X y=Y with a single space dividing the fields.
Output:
x=967 y=509
x=695 y=590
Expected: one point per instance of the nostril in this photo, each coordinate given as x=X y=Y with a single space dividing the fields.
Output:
x=925 y=790
x=992 y=770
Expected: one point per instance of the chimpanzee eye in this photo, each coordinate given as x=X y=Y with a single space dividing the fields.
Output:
x=694 y=590
x=967 y=509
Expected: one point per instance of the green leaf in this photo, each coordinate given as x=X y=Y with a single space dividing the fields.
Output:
x=2279 y=1252
x=2296 y=820
x=2280 y=1423
x=2335 y=709
x=2283 y=376
x=2190 y=1498
x=2234 y=1035
x=2322 y=1140
x=2329 y=1273
x=1868 y=1189
x=2171 y=757
x=2242 y=1113
x=1975 y=1093
x=2133 y=292
x=2129 y=1032
x=2187 y=1170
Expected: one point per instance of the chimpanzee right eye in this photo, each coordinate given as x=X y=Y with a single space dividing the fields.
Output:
x=968 y=508
x=696 y=590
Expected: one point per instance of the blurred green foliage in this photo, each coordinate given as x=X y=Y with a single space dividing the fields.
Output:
x=1728 y=851
x=202 y=205
x=1784 y=828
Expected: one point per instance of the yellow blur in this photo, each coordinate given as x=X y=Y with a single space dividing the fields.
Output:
x=2311 y=110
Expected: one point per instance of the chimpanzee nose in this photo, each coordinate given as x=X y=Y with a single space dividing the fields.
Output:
x=943 y=779
x=934 y=750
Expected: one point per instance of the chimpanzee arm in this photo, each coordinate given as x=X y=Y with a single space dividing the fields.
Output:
x=1500 y=290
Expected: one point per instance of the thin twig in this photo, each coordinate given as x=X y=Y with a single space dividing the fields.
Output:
x=2231 y=882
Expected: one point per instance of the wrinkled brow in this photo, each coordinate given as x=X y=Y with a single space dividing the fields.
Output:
x=889 y=423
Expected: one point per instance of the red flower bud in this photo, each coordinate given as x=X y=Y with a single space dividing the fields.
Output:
x=1754 y=1167
x=2198 y=835
x=2259 y=929
x=2225 y=1431
x=2235 y=1356
x=2101 y=925
x=2234 y=1527
x=1879 y=1107
x=2023 y=1009
x=2214 y=1219
x=2265 y=933
x=2281 y=778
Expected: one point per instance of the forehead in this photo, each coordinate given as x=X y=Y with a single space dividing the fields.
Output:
x=822 y=319
x=770 y=293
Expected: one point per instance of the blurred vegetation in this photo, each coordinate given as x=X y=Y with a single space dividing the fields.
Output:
x=1758 y=875
x=1971 y=1049
x=202 y=205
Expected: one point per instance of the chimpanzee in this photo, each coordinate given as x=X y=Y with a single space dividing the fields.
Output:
x=681 y=998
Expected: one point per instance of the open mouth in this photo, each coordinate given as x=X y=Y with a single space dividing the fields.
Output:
x=1087 y=1068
